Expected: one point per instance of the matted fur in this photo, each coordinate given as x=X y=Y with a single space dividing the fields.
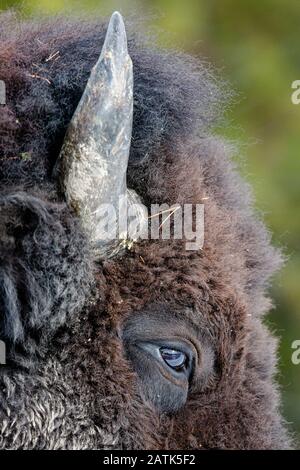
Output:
x=67 y=383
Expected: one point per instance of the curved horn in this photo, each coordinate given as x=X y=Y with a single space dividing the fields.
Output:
x=93 y=161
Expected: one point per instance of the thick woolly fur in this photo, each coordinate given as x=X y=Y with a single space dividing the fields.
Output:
x=67 y=383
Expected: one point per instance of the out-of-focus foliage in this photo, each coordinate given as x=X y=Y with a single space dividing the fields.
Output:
x=256 y=44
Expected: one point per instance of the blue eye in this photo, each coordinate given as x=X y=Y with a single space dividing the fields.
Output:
x=174 y=358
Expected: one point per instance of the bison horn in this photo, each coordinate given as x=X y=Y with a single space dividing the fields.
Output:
x=92 y=165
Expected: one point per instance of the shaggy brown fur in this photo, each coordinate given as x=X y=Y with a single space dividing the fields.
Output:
x=68 y=383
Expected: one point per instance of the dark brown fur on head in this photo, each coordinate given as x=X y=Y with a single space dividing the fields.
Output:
x=69 y=315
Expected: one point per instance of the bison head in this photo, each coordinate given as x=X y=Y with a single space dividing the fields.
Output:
x=123 y=342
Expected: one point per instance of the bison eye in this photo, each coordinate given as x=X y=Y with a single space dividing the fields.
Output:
x=165 y=369
x=173 y=358
x=170 y=355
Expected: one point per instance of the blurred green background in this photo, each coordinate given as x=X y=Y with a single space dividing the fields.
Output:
x=256 y=45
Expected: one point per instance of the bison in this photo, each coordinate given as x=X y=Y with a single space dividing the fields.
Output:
x=126 y=342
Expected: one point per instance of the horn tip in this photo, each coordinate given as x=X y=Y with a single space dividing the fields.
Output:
x=116 y=39
x=117 y=15
x=116 y=22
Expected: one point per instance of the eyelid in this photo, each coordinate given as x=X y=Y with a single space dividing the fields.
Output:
x=175 y=343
